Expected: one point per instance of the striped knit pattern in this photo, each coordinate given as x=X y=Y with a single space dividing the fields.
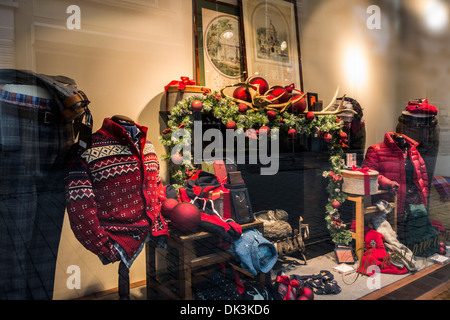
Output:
x=112 y=193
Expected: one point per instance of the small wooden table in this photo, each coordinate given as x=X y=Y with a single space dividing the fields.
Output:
x=363 y=206
x=188 y=261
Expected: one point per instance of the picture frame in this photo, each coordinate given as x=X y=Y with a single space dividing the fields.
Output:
x=241 y=206
x=271 y=41
x=344 y=255
x=219 y=55
x=312 y=99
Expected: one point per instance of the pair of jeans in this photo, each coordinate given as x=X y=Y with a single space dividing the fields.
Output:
x=32 y=198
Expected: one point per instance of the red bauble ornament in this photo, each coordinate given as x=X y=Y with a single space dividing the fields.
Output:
x=343 y=135
x=302 y=298
x=306 y=292
x=327 y=137
x=197 y=105
x=442 y=251
x=271 y=115
x=167 y=207
x=231 y=125
x=336 y=204
x=185 y=217
x=263 y=84
x=279 y=90
x=177 y=158
x=272 y=99
x=242 y=107
x=292 y=132
x=310 y=116
x=264 y=129
x=241 y=93
x=298 y=105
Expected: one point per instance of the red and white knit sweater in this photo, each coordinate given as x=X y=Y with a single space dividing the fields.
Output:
x=112 y=193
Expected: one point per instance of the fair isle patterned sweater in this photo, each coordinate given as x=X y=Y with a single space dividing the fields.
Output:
x=112 y=193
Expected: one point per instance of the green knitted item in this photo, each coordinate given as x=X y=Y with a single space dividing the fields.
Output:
x=418 y=234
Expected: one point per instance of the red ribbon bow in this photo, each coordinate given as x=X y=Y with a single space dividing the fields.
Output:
x=185 y=81
x=283 y=279
x=206 y=91
x=365 y=171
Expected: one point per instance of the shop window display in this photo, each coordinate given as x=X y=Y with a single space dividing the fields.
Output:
x=238 y=224
x=115 y=225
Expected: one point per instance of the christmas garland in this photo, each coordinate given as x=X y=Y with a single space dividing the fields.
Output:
x=215 y=107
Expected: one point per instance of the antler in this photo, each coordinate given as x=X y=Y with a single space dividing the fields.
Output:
x=262 y=101
x=338 y=110
x=258 y=101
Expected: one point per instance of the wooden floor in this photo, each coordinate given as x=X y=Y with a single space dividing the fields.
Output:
x=432 y=283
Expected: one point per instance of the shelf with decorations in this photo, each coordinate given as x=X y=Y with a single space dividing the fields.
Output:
x=255 y=107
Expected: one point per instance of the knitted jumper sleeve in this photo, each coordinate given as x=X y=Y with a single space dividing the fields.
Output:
x=82 y=212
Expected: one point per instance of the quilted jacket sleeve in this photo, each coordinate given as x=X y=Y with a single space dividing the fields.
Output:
x=372 y=161
x=82 y=212
x=425 y=184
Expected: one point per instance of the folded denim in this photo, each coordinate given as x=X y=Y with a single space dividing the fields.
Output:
x=255 y=253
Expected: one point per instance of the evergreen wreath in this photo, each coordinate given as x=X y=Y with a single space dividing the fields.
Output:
x=225 y=110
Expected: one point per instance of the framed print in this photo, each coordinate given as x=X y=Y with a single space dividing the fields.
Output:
x=242 y=208
x=272 y=46
x=218 y=45
x=312 y=99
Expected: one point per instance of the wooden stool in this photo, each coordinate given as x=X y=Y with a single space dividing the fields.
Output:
x=363 y=206
x=188 y=262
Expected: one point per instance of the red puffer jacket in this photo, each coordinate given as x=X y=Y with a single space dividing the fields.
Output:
x=387 y=158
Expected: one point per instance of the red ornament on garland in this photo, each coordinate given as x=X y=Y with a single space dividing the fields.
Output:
x=279 y=90
x=264 y=129
x=298 y=105
x=197 y=105
x=241 y=93
x=177 y=158
x=336 y=204
x=167 y=207
x=343 y=135
x=185 y=217
x=271 y=115
x=263 y=84
x=242 y=107
x=272 y=99
x=310 y=116
x=327 y=137
x=231 y=125
x=292 y=132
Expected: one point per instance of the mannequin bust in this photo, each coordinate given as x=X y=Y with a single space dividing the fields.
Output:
x=417 y=115
x=128 y=124
x=400 y=141
x=123 y=120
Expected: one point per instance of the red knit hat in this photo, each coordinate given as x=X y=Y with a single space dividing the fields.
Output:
x=421 y=106
x=374 y=240
x=376 y=254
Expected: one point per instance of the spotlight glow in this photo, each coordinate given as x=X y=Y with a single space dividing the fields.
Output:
x=436 y=15
x=355 y=66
